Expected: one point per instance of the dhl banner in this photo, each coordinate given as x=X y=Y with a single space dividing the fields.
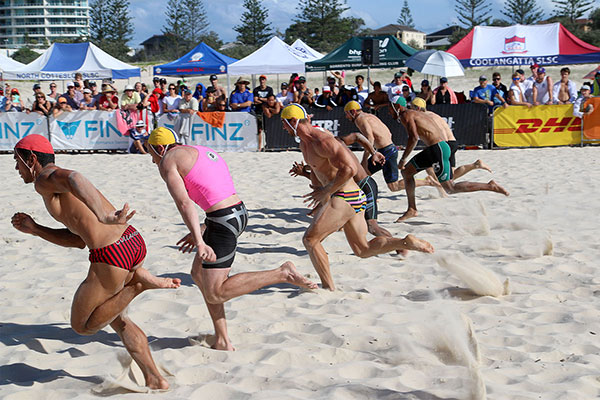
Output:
x=591 y=122
x=553 y=125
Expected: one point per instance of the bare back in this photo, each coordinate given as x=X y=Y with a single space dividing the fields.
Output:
x=74 y=214
x=443 y=127
x=427 y=128
x=374 y=130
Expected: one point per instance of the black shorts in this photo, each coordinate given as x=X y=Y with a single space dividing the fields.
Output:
x=453 y=147
x=222 y=230
x=390 y=168
x=436 y=156
x=369 y=188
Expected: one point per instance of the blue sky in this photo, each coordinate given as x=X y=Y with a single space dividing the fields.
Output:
x=428 y=15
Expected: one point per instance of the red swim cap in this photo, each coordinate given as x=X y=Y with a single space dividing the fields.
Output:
x=35 y=143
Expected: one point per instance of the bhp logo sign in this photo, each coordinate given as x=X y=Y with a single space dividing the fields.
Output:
x=553 y=125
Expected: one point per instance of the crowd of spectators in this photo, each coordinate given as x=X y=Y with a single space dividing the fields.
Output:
x=175 y=98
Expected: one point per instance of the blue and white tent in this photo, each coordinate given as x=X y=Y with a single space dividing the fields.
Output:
x=201 y=60
x=9 y=63
x=62 y=61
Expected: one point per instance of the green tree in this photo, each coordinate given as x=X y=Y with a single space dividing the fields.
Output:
x=593 y=35
x=254 y=30
x=110 y=26
x=457 y=35
x=195 y=21
x=572 y=9
x=212 y=39
x=524 y=12
x=25 y=55
x=472 y=12
x=321 y=25
x=175 y=30
x=405 y=17
x=499 y=22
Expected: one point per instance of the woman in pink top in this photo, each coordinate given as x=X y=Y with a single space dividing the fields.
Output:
x=197 y=174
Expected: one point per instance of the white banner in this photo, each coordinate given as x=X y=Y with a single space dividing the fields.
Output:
x=515 y=41
x=238 y=133
x=87 y=130
x=16 y=125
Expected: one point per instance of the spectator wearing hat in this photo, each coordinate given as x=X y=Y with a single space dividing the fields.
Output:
x=362 y=92
x=189 y=104
x=130 y=99
x=542 y=88
x=108 y=101
x=426 y=93
x=156 y=82
x=41 y=105
x=138 y=137
x=397 y=81
x=219 y=90
x=443 y=94
x=333 y=86
x=564 y=91
x=303 y=95
x=261 y=92
x=325 y=100
x=377 y=98
x=88 y=102
x=285 y=97
x=37 y=89
x=487 y=94
x=172 y=100
x=163 y=85
x=53 y=93
x=528 y=82
x=62 y=105
x=209 y=103
x=14 y=102
x=241 y=98
x=407 y=94
x=516 y=94
x=94 y=88
x=579 y=107
x=71 y=96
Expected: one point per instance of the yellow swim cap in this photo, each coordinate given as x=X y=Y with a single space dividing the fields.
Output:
x=163 y=136
x=294 y=111
x=419 y=102
x=352 y=105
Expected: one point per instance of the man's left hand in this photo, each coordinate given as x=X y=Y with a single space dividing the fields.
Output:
x=378 y=158
x=319 y=195
x=119 y=217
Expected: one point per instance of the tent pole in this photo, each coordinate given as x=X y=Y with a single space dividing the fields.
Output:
x=368 y=78
x=228 y=85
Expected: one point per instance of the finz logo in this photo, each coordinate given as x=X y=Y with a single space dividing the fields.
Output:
x=69 y=128
x=196 y=57
x=514 y=45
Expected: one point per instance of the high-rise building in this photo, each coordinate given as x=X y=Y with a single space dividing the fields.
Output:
x=36 y=23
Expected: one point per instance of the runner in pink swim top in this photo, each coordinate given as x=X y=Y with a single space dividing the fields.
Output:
x=197 y=174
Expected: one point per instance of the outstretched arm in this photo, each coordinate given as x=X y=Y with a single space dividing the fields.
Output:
x=62 y=237
x=65 y=181
x=413 y=139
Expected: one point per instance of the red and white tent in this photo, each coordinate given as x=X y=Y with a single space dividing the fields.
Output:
x=549 y=44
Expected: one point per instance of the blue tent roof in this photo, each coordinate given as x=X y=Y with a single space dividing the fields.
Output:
x=201 y=60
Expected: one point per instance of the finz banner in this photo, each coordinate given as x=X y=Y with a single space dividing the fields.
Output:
x=236 y=131
x=469 y=122
x=552 y=125
x=87 y=130
x=15 y=125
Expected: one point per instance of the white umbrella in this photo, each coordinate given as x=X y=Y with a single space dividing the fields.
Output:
x=435 y=62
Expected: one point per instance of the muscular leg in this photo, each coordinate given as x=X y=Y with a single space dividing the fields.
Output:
x=217 y=287
x=356 y=231
x=106 y=292
x=330 y=219
x=136 y=343
x=399 y=184
x=463 y=169
x=459 y=187
x=408 y=173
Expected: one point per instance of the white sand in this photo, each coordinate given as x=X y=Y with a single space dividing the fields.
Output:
x=394 y=329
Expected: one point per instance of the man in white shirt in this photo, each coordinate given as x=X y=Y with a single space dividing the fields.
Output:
x=516 y=93
x=360 y=90
x=564 y=91
x=285 y=97
x=528 y=82
x=577 y=105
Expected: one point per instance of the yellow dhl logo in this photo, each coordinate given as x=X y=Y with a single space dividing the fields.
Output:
x=536 y=125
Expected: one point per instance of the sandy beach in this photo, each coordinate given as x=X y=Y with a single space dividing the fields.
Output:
x=394 y=329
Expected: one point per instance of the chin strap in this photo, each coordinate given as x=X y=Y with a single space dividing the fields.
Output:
x=156 y=152
x=31 y=169
x=294 y=128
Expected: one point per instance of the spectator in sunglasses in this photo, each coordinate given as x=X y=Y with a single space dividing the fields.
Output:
x=171 y=100
x=41 y=105
x=53 y=93
x=500 y=87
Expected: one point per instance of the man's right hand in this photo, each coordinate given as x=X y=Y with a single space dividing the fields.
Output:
x=23 y=222
x=297 y=169
x=206 y=253
x=119 y=217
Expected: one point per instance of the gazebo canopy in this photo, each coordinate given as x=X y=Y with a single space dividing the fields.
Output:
x=201 y=60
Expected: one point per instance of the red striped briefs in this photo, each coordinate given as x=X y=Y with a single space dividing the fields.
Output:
x=126 y=253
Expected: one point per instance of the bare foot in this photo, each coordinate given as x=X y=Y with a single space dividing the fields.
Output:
x=149 y=281
x=481 y=165
x=410 y=213
x=157 y=383
x=432 y=182
x=294 y=277
x=494 y=187
x=412 y=243
x=223 y=344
